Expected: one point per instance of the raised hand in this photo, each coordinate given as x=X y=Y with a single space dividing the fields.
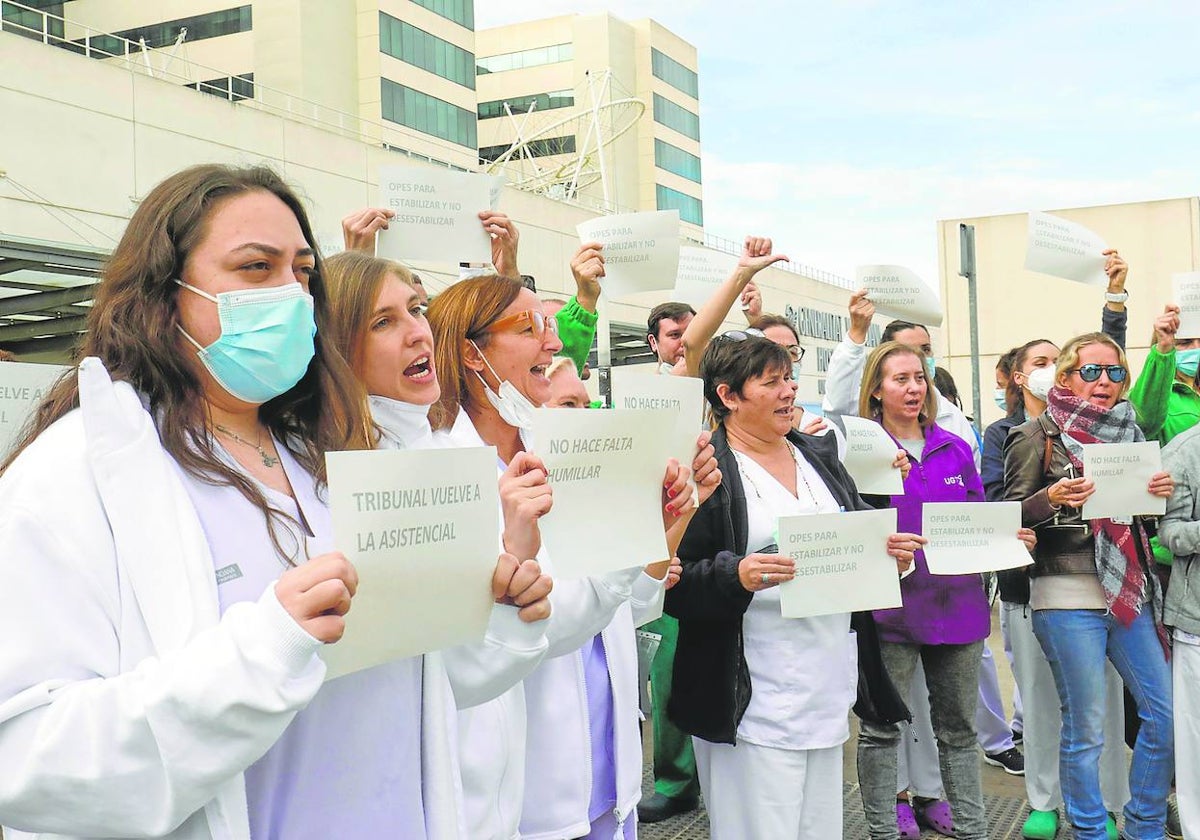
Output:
x=504 y=237
x=523 y=585
x=525 y=497
x=360 y=227
x=756 y=255
x=861 y=313
x=587 y=266
x=1165 y=327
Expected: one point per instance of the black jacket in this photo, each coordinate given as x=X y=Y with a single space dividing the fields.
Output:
x=711 y=682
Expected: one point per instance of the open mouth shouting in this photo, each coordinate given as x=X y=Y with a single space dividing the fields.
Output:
x=420 y=371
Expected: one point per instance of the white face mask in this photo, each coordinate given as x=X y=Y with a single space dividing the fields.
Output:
x=666 y=368
x=1039 y=381
x=405 y=423
x=514 y=408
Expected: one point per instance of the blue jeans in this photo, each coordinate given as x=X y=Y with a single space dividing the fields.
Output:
x=1076 y=643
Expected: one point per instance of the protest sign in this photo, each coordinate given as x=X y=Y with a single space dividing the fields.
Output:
x=604 y=466
x=22 y=386
x=1121 y=473
x=641 y=251
x=422 y=529
x=701 y=271
x=1065 y=249
x=682 y=397
x=898 y=292
x=842 y=564
x=870 y=452
x=437 y=215
x=972 y=537
x=1186 y=295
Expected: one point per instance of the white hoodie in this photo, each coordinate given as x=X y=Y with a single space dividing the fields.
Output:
x=128 y=705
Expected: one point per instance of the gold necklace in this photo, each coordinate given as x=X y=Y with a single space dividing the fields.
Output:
x=738 y=456
x=267 y=459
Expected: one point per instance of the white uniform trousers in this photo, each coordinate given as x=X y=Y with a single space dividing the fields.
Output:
x=761 y=793
x=1186 y=670
x=1043 y=721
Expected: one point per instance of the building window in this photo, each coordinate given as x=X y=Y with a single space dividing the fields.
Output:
x=417 y=47
x=676 y=117
x=33 y=24
x=674 y=159
x=199 y=28
x=522 y=104
x=675 y=74
x=461 y=12
x=525 y=58
x=428 y=114
x=233 y=88
x=691 y=209
x=545 y=147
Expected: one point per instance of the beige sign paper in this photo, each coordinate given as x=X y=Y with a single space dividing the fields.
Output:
x=898 y=292
x=641 y=251
x=1186 y=288
x=972 y=537
x=701 y=271
x=22 y=386
x=1065 y=249
x=682 y=397
x=437 y=215
x=606 y=469
x=870 y=452
x=842 y=564
x=421 y=527
x=1121 y=472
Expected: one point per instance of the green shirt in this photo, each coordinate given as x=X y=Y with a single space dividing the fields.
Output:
x=576 y=331
x=1165 y=408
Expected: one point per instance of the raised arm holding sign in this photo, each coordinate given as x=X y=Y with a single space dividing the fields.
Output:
x=1065 y=249
x=898 y=292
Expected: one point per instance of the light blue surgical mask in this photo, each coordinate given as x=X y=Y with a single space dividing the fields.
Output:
x=1187 y=361
x=1000 y=395
x=266 y=341
x=930 y=366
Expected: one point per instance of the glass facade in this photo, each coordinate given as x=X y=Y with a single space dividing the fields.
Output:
x=417 y=47
x=29 y=24
x=233 y=88
x=538 y=148
x=676 y=117
x=461 y=12
x=526 y=58
x=199 y=28
x=691 y=209
x=522 y=104
x=675 y=159
x=675 y=74
x=428 y=114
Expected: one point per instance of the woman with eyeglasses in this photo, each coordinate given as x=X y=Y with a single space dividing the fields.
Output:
x=582 y=772
x=1093 y=594
x=766 y=698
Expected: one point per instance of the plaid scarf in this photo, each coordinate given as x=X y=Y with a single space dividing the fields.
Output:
x=1121 y=573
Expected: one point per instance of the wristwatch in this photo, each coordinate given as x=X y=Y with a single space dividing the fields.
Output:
x=1120 y=297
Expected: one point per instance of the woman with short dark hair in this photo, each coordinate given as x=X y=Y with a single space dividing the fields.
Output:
x=765 y=698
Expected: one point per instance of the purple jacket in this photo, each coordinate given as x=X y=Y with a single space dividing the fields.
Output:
x=938 y=609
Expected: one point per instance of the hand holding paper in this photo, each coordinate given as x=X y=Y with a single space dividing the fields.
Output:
x=504 y=236
x=1186 y=294
x=317 y=595
x=872 y=459
x=525 y=497
x=898 y=291
x=522 y=584
x=1065 y=249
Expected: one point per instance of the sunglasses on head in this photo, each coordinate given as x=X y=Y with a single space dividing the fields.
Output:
x=795 y=351
x=1090 y=373
x=535 y=321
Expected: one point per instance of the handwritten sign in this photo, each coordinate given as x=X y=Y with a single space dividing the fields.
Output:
x=437 y=215
x=898 y=292
x=422 y=529
x=870 y=452
x=701 y=271
x=1065 y=249
x=606 y=469
x=680 y=396
x=842 y=564
x=1121 y=472
x=1186 y=294
x=641 y=251
x=972 y=537
x=22 y=386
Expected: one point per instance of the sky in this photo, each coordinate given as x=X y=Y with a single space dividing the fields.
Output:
x=844 y=130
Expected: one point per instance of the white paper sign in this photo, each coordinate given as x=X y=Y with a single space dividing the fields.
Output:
x=870 y=452
x=606 y=469
x=898 y=292
x=972 y=537
x=422 y=529
x=682 y=397
x=22 y=386
x=842 y=564
x=1121 y=472
x=701 y=271
x=1186 y=295
x=1065 y=249
x=641 y=251
x=437 y=215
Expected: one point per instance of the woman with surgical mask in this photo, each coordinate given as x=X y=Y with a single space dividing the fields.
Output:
x=1166 y=395
x=380 y=322
x=493 y=346
x=165 y=519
